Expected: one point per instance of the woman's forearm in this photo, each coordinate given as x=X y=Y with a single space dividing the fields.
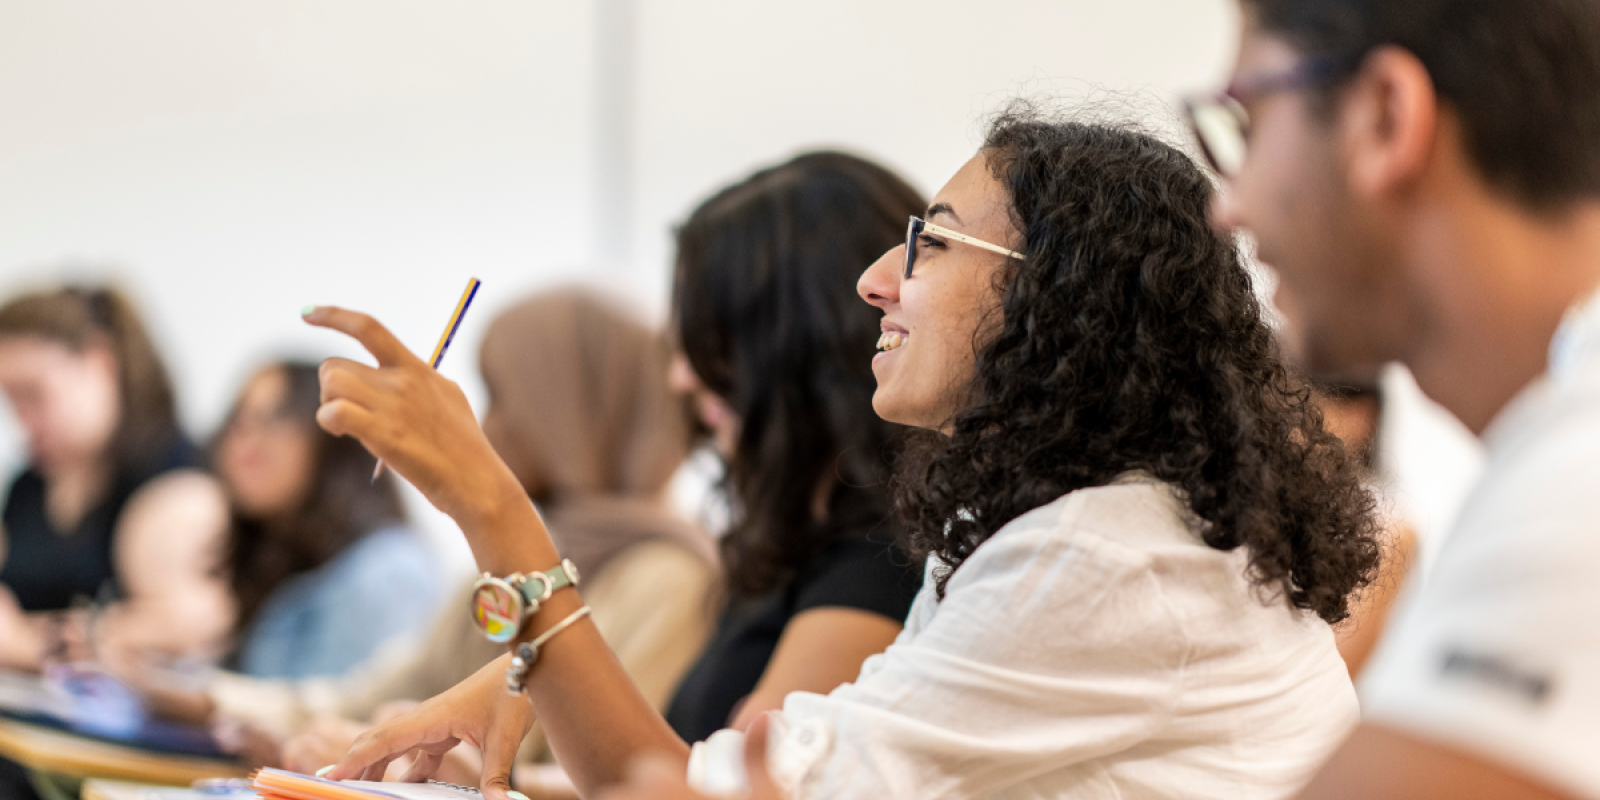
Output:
x=506 y=534
x=594 y=716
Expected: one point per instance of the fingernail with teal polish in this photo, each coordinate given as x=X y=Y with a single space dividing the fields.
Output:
x=325 y=770
x=516 y=795
x=306 y=311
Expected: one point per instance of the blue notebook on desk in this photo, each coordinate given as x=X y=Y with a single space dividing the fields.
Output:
x=98 y=708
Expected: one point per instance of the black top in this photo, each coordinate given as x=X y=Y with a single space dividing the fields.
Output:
x=859 y=573
x=45 y=568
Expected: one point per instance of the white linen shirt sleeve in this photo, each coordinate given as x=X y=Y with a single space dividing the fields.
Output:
x=1053 y=646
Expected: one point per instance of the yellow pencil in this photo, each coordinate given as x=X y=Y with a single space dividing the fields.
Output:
x=445 y=339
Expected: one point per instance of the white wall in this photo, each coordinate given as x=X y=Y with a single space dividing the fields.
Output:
x=725 y=85
x=232 y=162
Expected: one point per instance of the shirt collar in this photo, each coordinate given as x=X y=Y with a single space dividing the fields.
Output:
x=1577 y=339
x=1576 y=345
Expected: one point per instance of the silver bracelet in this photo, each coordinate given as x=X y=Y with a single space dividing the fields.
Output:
x=523 y=655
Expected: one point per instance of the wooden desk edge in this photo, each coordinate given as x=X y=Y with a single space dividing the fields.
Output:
x=57 y=751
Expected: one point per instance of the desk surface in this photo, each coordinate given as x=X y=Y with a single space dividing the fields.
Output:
x=57 y=751
x=96 y=789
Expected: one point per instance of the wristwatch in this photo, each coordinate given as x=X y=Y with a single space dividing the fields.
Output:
x=500 y=606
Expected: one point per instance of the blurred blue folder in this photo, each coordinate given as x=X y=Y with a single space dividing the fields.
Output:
x=90 y=703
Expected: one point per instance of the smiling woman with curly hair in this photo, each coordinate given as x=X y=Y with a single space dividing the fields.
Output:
x=1130 y=341
x=1138 y=529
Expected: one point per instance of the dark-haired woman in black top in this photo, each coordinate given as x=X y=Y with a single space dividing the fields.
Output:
x=771 y=332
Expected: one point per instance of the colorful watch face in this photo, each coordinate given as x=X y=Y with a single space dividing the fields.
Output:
x=497 y=609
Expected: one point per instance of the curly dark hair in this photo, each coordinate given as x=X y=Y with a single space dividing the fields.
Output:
x=765 y=309
x=1131 y=339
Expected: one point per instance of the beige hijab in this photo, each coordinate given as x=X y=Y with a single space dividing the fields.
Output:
x=580 y=409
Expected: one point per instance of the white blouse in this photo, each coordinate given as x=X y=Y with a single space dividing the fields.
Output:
x=1094 y=647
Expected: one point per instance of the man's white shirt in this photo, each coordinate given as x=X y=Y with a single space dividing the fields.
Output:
x=1498 y=652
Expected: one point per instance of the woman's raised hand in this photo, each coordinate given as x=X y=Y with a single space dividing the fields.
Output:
x=477 y=711
x=415 y=419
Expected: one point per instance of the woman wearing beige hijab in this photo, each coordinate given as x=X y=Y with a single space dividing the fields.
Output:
x=580 y=409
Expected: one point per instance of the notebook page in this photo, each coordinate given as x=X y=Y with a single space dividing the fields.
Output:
x=275 y=783
x=416 y=791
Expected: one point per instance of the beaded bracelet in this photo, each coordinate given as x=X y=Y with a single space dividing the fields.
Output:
x=524 y=654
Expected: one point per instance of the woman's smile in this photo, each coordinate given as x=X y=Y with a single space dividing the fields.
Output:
x=893 y=338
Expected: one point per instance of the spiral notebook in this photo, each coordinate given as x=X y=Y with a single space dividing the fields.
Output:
x=277 y=784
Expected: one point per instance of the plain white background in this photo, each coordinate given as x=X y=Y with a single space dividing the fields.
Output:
x=229 y=163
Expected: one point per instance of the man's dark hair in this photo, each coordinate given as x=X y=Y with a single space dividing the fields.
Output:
x=1523 y=76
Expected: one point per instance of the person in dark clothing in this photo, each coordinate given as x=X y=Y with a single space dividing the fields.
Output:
x=109 y=512
x=772 y=333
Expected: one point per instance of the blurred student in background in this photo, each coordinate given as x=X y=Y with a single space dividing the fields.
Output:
x=580 y=407
x=764 y=308
x=1425 y=175
x=319 y=558
x=110 y=508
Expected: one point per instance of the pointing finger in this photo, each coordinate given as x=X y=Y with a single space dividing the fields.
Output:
x=364 y=329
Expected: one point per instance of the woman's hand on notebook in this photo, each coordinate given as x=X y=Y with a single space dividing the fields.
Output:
x=477 y=711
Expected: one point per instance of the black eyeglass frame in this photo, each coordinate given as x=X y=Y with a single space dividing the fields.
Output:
x=917 y=226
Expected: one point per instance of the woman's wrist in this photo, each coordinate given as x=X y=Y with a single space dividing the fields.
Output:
x=505 y=532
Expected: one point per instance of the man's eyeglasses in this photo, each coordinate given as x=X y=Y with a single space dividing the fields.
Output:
x=918 y=227
x=1222 y=125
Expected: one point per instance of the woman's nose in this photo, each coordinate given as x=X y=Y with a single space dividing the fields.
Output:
x=880 y=283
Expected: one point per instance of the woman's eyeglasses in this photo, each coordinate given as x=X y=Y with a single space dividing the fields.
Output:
x=1222 y=125
x=918 y=226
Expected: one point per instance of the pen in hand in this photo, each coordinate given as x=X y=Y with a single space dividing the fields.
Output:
x=445 y=339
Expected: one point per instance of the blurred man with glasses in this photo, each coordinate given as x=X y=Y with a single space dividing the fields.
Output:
x=1425 y=176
